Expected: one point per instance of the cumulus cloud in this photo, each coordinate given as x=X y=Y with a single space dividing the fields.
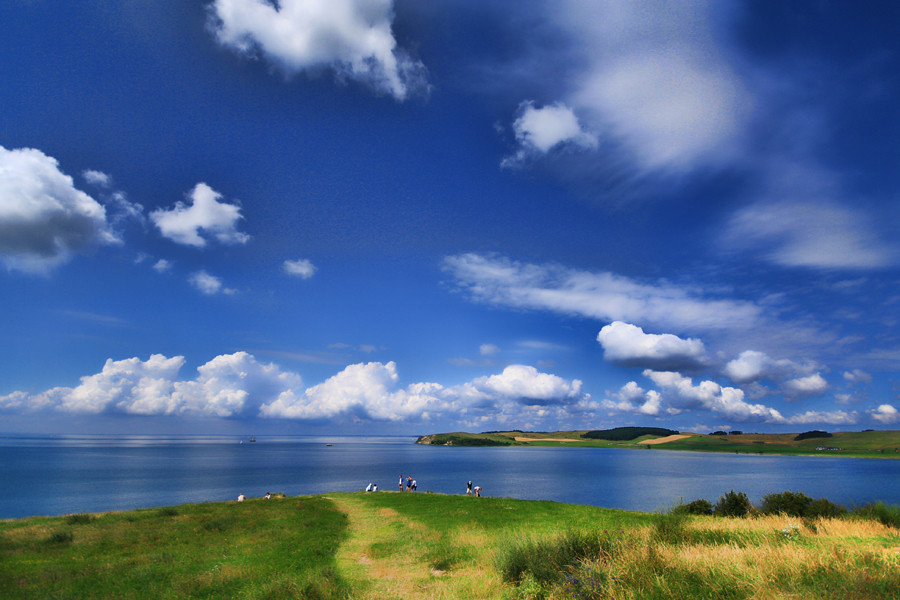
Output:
x=528 y=386
x=634 y=399
x=539 y=130
x=351 y=37
x=885 y=414
x=184 y=223
x=814 y=234
x=752 y=365
x=238 y=385
x=44 y=219
x=802 y=387
x=601 y=295
x=628 y=345
x=209 y=284
x=681 y=394
x=302 y=268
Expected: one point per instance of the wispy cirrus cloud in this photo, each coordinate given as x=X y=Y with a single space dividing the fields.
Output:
x=601 y=295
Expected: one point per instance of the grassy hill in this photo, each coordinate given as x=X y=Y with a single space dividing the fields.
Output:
x=866 y=444
x=405 y=545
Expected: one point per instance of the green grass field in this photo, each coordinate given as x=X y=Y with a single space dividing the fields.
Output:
x=406 y=545
x=863 y=444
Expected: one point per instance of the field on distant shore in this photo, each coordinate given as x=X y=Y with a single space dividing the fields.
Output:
x=406 y=545
x=866 y=444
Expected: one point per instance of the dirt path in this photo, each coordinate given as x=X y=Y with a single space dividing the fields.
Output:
x=663 y=440
x=388 y=556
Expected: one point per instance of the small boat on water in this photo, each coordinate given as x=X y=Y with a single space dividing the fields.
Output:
x=329 y=445
x=252 y=439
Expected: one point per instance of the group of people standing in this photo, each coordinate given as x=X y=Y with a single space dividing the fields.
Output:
x=410 y=483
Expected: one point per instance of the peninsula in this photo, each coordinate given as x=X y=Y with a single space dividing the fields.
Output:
x=865 y=444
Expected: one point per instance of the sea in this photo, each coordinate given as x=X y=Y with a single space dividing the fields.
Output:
x=65 y=474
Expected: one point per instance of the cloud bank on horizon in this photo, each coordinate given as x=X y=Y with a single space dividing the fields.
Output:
x=594 y=214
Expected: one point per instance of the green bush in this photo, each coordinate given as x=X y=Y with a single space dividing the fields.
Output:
x=812 y=434
x=823 y=507
x=797 y=504
x=733 y=504
x=886 y=514
x=794 y=504
x=79 y=519
x=61 y=537
x=695 y=507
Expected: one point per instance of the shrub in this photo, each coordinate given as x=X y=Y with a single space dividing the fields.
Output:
x=695 y=507
x=822 y=507
x=61 y=537
x=812 y=434
x=733 y=504
x=886 y=514
x=79 y=519
x=794 y=504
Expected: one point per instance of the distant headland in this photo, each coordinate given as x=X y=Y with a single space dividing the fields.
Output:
x=866 y=444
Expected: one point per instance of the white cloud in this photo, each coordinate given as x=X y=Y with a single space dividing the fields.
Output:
x=838 y=417
x=44 y=219
x=751 y=366
x=886 y=414
x=488 y=350
x=709 y=395
x=528 y=385
x=857 y=376
x=656 y=82
x=819 y=233
x=352 y=37
x=601 y=295
x=237 y=385
x=802 y=387
x=539 y=130
x=162 y=265
x=628 y=344
x=302 y=268
x=183 y=223
x=209 y=284
x=681 y=392
x=634 y=399
x=98 y=178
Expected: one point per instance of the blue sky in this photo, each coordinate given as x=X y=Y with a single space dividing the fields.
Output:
x=370 y=216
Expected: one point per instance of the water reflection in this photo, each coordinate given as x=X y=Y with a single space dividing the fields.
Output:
x=65 y=474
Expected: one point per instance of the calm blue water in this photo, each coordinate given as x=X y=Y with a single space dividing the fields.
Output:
x=70 y=474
